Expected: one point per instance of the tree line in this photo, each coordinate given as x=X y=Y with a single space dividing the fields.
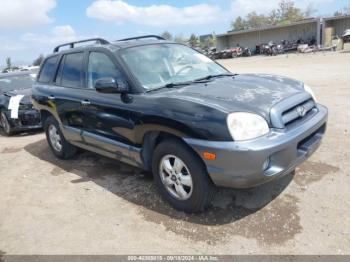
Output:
x=192 y=41
x=285 y=13
x=9 y=66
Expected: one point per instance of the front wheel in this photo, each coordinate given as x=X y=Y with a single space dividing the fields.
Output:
x=181 y=177
x=5 y=124
x=58 y=144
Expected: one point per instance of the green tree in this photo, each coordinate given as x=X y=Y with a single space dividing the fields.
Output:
x=273 y=17
x=180 y=39
x=193 y=41
x=8 y=62
x=285 y=13
x=288 y=13
x=345 y=11
x=213 y=41
x=255 y=21
x=338 y=13
x=38 y=60
x=208 y=42
x=238 y=24
x=252 y=20
x=167 y=35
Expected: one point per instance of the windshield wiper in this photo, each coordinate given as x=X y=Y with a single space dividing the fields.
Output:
x=208 y=77
x=171 y=85
x=198 y=80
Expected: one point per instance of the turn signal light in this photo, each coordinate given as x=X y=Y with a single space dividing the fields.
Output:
x=209 y=156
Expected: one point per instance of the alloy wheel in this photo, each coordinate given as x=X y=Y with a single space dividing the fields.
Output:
x=176 y=177
x=55 y=138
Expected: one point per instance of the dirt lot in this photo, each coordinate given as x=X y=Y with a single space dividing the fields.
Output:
x=93 y=205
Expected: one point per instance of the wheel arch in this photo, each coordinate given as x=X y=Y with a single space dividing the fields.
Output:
x=153 y=138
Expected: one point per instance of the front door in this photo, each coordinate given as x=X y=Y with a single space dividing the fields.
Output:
x=107 y=123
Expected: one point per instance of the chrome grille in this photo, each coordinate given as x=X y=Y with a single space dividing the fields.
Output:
x=297 y=112
x=291 y=110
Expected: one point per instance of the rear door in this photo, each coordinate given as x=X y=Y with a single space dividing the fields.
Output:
x=68 y=94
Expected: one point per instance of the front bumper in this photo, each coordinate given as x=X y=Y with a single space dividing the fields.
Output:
x=250 y=163
x=27 y=120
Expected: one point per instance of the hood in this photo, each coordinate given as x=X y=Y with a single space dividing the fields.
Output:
x=246 y=92
x=26 y=92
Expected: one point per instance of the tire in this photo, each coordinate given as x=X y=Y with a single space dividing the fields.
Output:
x=193 y=172
x=58 y=144
x=5 y=124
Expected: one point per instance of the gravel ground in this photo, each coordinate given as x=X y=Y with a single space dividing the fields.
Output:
x=93 y=205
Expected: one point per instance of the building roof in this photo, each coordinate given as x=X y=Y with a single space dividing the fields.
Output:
x=302 y=22
x=336 y=17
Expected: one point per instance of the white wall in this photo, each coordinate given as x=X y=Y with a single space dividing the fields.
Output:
x=290 y=33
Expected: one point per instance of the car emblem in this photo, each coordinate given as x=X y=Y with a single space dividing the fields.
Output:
x=301 y=111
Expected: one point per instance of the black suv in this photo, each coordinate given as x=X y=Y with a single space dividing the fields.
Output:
x=165 y=107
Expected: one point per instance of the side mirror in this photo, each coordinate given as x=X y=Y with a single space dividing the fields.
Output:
x=109 y=85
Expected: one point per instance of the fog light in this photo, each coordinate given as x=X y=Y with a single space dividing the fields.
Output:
x=266 y=164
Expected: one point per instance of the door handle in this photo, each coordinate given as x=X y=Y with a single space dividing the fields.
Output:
x=85 y=102
x=51 y=97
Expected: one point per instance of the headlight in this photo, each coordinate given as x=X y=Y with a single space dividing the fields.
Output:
x=309 y=90
x=244 y=126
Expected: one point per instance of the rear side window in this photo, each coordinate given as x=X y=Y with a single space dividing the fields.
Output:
x=48 y=70
x=71 y=70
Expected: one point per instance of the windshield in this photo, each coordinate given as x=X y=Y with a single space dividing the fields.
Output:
x=158 y=65
x=15 y=82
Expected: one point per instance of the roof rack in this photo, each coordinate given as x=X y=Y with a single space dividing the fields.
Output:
x=71 y=44
x=142 y=37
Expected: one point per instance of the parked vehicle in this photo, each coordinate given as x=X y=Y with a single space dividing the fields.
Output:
x=280 y=49
x=246 y=51
x=225 y=54
x=217 y=55
x=305 y=48
x=212 y=52
x=265 y=49
x=346 y=41
x=18 y=114
x=195 y=125
x=289 y=46
x=346 y=36
x=258 y=49
x=272 y=49
x=236 y=51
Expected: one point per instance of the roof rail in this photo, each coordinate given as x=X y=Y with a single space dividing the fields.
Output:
x=71 y=44
x=142 y=37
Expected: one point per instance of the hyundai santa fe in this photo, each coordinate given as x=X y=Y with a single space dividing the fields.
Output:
x=164 y=107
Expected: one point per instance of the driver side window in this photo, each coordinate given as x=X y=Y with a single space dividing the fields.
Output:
x=99 y=66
